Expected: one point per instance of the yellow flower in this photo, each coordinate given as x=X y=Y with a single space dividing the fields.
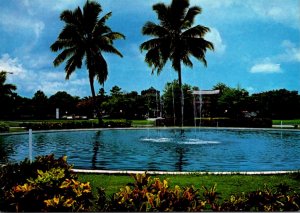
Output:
x=69 y=202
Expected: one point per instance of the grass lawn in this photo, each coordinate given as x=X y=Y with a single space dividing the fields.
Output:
x=226 y=184
x=135 y=123
x=287 y=122
x=16 y=124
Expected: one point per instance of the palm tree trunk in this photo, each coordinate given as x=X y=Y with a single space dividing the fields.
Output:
x=181 y=95
x=95 y=106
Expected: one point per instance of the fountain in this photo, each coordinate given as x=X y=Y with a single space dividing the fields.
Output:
x=200 y=94
x=164 y=149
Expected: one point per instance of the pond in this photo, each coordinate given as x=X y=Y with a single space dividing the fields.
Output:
x=165 y=149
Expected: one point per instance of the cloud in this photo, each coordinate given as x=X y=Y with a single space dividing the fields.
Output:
x=291 y=52
x=57 y=5
x=215 y=37
x=29 y=80
x=20 y=23
x=266 y=67
x=236 y=11
x=11 y=65
x=284 y=12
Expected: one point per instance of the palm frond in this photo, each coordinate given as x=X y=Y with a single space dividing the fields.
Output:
x=153 y=29
x=178 y=10
x=102 y=69
x=195 y=32
x=111 y=49
x=186 y=61
x=162 y=11
x=114 y=36
x=154 y=60
x=190 y=16
x=104 y=18
x=153 y=43
x=68 y=17
x=63 y=55
x=75 y=61
x=91 y=11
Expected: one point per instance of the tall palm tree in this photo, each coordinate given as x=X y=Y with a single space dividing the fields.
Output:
x=175 y=39
x=6 y=90
x=85 y=36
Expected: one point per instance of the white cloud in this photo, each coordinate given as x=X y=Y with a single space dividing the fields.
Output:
x=285 y=12
x=266 y=67
x=11 y=65
x=232 y=11
x=58 y=5
x=215 y=37
x=291 y=52
x=30 y=81
x=20 y=23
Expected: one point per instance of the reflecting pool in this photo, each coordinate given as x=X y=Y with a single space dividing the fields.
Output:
x=165 y=149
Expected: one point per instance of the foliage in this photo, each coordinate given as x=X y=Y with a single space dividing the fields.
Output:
x=232 y=122
x=58 y=125
x=152 y=194
x=171 y=100
x=7 y=96
x=175 y=39
x=277 y=104
x=4 y=127
x=6 y=90
x=85 y=37
x=121 y=123
x=47 y=184
x=234 y=104
x=280 y=199
x=74 y=125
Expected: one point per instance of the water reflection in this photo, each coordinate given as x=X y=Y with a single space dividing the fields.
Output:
x=96 y=149
x=3 y=152
x=180 y=152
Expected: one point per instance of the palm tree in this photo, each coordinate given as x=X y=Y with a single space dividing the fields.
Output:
x=6 y=90
x=175 y=39
x=86 y=36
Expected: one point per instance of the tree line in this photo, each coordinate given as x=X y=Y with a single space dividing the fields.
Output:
x=150 y=103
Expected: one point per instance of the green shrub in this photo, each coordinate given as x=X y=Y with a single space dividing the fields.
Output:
x=58 y=125
x=283 y=198
x=152 y=194
x=148 y=194
x=4 y=127
x=73 y=125
x=47 y=184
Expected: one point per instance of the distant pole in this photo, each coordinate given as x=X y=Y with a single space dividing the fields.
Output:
x=57 y=113
x=30 y=145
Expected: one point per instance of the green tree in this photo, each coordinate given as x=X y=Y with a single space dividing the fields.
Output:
x=152 y=99
x=5 y=89
x=232 y=101
x=64 y=101
x=171 y=101
x=40 y=104
x=7 y=96
x=175 y=39
x=86 y=36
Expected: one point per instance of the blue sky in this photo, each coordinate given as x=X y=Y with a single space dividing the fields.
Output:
x=257 y=46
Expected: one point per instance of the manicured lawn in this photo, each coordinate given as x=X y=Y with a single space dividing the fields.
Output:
x=16 y=124
x=136 y=123
x=287 y=122
x=226 y=184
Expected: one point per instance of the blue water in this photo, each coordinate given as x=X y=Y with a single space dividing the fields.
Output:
x=164 y=149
